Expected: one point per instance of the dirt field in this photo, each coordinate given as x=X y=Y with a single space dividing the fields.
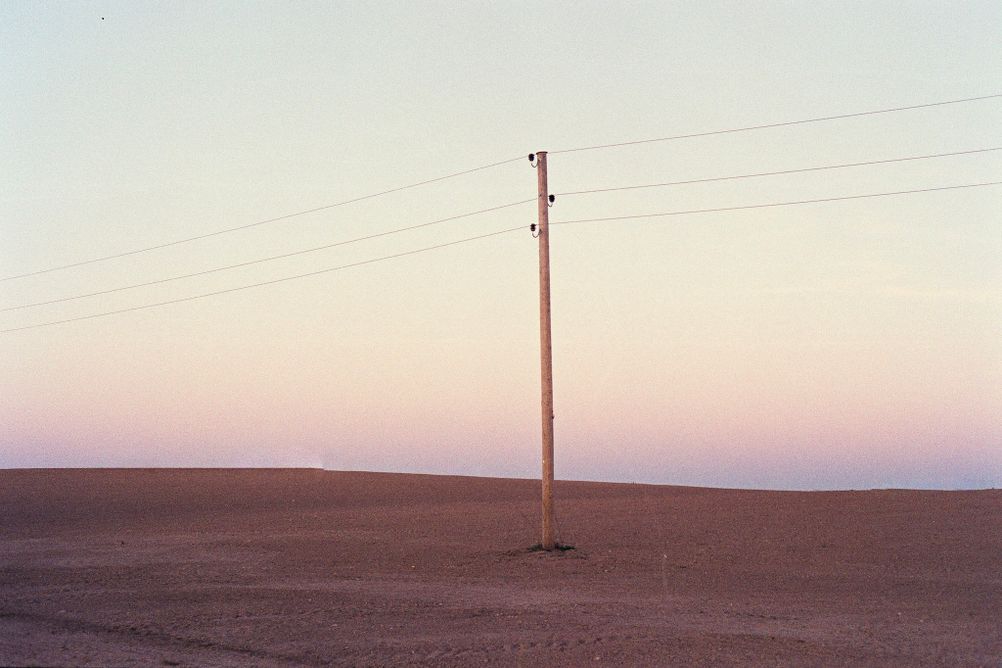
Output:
x=305 y=567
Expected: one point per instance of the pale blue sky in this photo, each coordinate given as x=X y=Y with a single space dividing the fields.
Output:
x=850 y=344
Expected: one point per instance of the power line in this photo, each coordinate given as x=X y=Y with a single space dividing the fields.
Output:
x=263 y=283
x=261 y=222
x=778 y=125
x=268 y=259
x=499 y=232
x=484 y=236
x=771 y=204
x=476 y=169
x=778 y=173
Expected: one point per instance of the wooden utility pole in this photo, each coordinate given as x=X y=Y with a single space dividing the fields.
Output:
x=545 y=350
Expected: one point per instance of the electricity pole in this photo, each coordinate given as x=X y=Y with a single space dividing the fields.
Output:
x=545 y=349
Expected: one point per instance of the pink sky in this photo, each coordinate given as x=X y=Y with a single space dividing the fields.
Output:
x=846 y=344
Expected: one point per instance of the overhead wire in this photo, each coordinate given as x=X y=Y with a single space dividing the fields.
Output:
x=800 y=170
x=721 y=209
x=493 y=234
x=263 y=283
x=489 y=166
x=765 y=126
x=480 y=168
x=496 y=208
x=258 y=223
x=270 y=258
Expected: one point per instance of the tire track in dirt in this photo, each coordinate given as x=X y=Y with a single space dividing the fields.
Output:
x=145 y=635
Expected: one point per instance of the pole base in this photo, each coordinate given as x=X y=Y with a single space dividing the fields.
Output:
x=557 y=547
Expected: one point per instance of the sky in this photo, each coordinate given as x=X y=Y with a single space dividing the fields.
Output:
x=848 y=344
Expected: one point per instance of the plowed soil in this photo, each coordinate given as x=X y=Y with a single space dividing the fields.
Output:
x=307 y=567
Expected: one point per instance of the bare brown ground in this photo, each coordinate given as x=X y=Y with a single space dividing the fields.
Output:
x=305 y=567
